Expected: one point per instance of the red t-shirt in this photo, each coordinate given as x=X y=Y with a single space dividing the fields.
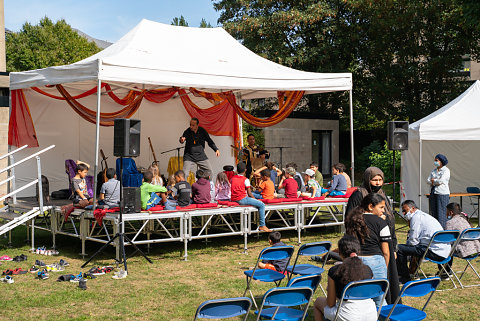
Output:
x=239 y=187
x=291 y=187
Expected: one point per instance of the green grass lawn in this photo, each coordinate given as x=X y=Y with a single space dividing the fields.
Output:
x=170 y=288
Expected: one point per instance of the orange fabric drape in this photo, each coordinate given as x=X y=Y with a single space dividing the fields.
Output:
x=292 y=98
x=221 y=119
x=106 y=119
x=20 y=127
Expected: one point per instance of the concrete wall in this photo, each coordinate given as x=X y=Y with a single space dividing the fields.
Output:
x=297 y=134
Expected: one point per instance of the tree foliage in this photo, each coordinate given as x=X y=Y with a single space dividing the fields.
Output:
x=179 y=21
x=46 y=44
x=404 y=55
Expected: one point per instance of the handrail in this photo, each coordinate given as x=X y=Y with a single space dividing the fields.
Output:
x=13 y=152
x=19 y=189
x=7 y=180
x=27 y=158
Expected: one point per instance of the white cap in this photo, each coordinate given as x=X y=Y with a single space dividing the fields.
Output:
x=310 y=172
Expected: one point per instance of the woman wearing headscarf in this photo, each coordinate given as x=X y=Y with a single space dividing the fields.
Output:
x=439 y=190
x=373 y=178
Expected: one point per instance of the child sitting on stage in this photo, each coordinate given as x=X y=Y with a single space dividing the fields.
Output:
x=274 y=238
x=313 y=188
x=222 y=187
x=242 y=194
x=110 y=190
x=157 y=180
x=181 y=192
x=338 y=185
x=266 y=186
x=201 y=188
x=81 y=197
x=288 y=183
x=148 y=192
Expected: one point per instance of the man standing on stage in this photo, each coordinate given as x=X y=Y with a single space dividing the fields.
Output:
x=196 y=136
x=250 y=152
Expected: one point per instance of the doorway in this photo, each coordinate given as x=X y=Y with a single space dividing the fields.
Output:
x=322 y=151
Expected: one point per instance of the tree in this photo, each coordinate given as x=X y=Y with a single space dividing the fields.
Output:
x=404 y=55
x=46 y=44
x=179 y=22
x=205 y=24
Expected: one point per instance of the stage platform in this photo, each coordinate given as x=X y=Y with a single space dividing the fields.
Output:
x=147 y=228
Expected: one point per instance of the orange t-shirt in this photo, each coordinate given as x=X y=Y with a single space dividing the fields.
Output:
x=268 y=189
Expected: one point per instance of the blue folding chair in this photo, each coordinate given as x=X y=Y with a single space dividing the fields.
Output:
x=473 y=199
x=401 y=312
x=282 y=301
x=311 y=281
x=470 y=234
x=362 y=290
x=310 y=249
x=442 y=237
x=224 y=308
x=267 y=275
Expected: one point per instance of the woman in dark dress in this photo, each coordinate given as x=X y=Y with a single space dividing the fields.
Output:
x=372 y=183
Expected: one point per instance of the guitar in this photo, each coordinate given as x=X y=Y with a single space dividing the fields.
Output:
x=155 y=161
x=102 y=175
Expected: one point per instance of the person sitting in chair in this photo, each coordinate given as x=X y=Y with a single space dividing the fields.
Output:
x=422 y=228
x=110 y=191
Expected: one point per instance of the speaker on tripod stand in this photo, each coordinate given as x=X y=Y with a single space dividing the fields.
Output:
x=397 y=139
x=126 y=143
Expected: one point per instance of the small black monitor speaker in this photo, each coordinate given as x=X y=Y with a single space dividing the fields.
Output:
x=126 y=137
x=397 y=135
x=132 y=202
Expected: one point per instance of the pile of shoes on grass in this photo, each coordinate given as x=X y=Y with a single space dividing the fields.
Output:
x=42 y=270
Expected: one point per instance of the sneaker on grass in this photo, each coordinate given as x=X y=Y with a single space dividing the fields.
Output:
x=8 y=279
x=82 y=284
x=33 y=269
x=77 y=278
x=120 y=275
x=42 y=275
x=96 y=271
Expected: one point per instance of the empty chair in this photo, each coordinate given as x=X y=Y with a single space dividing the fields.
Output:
x=362 y=290
x=224 y=308
x=445 y=237
x=311 y=281
x=469 y=235
x=473 y=199
x=401 y=312
x=310 y=249
x=281 y=302
x=267 y=275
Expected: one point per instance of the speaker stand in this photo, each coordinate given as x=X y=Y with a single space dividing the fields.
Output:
x=393 y=197
x=120 y=234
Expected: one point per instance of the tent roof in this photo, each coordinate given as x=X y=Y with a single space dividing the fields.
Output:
x=159 y=55
x=457 y=120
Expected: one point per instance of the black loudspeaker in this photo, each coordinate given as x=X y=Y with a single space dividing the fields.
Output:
x=126 y=137
x=397 y=135
x=132 y=202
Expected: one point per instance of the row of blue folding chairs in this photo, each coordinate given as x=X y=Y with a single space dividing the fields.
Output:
x=278 y=303
x=452 y=238
x=277 y=253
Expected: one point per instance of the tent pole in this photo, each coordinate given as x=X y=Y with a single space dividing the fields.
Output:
x=351 y=138
x=420 y=172
x=97 y=136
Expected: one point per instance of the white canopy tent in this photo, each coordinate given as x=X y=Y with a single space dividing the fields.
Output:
x=152 y=56
x=453 y=130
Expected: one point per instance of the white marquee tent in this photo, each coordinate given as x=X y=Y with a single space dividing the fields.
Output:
x=453 y=130
x=152 y=56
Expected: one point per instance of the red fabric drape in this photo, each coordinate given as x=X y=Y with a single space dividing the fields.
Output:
x=221 y=119
x=20 y=127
